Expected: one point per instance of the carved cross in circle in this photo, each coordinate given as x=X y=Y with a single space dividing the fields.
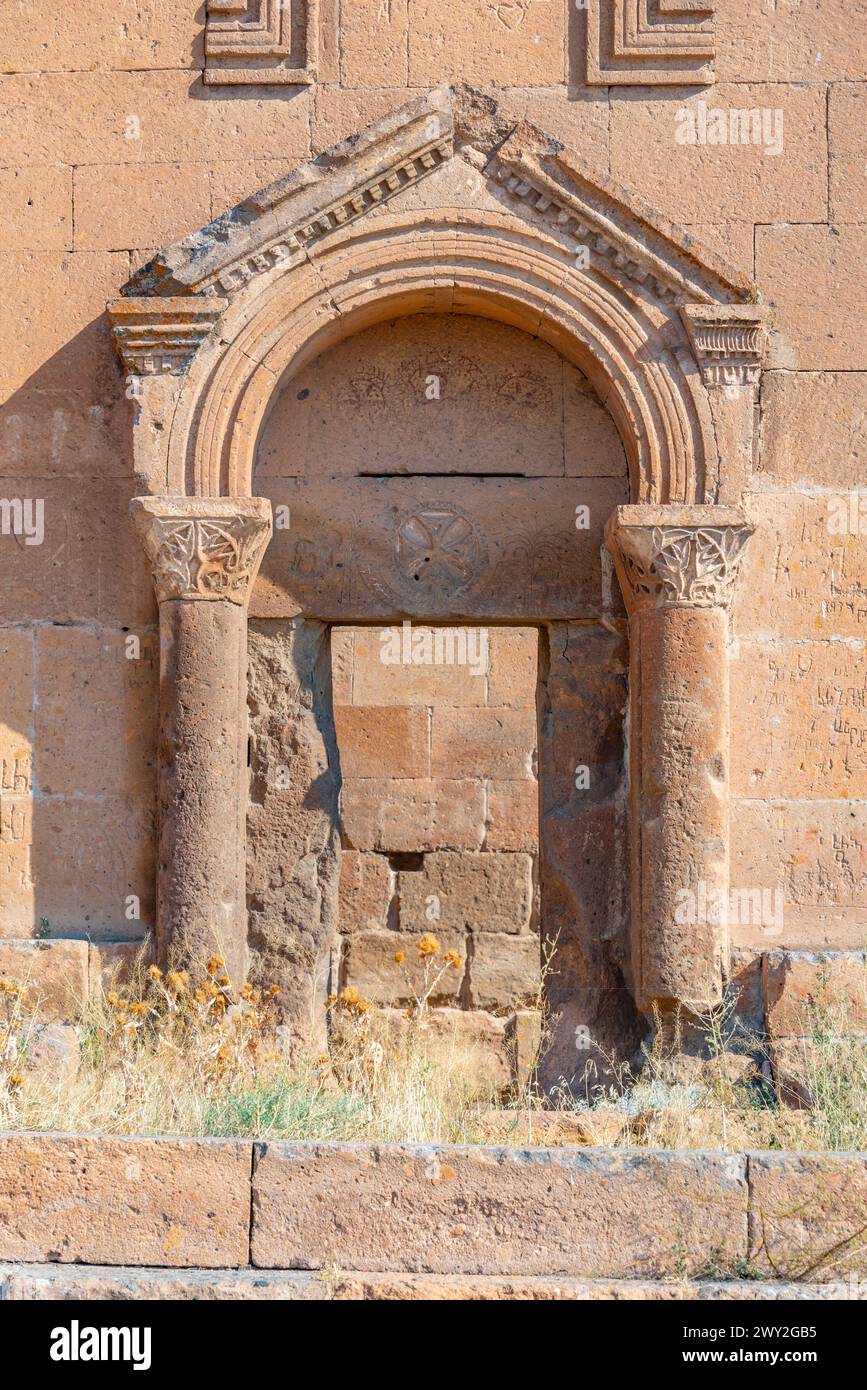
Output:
x=437 y=546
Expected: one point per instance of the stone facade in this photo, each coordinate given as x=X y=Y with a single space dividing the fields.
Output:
x=437 y=361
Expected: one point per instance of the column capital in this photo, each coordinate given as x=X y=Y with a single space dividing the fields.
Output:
x=677 y=555
x=203 y=547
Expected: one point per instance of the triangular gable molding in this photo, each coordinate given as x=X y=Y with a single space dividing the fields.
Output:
x=320 y=196
x=366 y=171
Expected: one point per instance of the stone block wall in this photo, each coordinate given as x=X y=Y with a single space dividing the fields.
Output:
x=439 y=817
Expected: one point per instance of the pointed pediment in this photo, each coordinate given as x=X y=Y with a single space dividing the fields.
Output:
x=524 y=167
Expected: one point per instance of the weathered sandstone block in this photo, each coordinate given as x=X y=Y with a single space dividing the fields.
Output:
x=375 y=683
x=138 y=205
x=404 y=1208
x=365 y=891
x=473 y=892
x=811 y=853
x=514 y=659
x=586 y=696
x=162 y=35
x=757 y=42
x=816 y=572
x=54 y=974
x=520 y=44
x=814 y=429
x=800 y=269
x=808 y=990
x=470 y=394
x=404 y=816
x=504 y=971
x=124 y=1201
x=738 y=181
x=513 y=815
x=374 y=39
x=377 y=741
x=17 y=659
x=519 y=556
x=496 y=743
x=62 y=1283
x=83 y=864
x=44 y=1282
x=847 y=119
x=798 y=727
x=103 y=743
x=90 y=569
x=36 y=209
x=370 y=966
x=292 y=851
x=82 y=118
x=808 y=1214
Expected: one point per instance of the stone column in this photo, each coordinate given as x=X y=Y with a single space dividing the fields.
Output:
x=677 y=567
x=204 y=553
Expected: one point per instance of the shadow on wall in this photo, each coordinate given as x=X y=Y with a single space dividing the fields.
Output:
x=78 y=658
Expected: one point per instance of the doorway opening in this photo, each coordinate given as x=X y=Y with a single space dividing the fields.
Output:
x=436 y=732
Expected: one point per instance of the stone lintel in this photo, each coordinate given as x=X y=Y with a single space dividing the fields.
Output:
x=203 y=547
x=684 y=555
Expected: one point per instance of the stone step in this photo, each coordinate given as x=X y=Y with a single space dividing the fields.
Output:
x=557 y=1214
x=46 y=1282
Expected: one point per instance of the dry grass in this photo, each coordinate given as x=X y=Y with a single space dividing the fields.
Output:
x=168 y=1055
x=720 y=1094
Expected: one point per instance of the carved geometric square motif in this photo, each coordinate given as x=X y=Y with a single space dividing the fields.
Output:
x=261 y=41
x=650 y=42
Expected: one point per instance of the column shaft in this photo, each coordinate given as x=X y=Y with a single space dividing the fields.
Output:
x=201 y=895
x=681 y=804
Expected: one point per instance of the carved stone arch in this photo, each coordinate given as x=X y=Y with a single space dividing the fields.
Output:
x=495 y=269
x=449 y=206
x=373 y=229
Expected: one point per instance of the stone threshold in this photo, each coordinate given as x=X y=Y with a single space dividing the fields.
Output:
x=52 y=1282
x=456 y=1212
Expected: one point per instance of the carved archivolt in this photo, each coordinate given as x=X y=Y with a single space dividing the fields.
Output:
x=650 y=42
x=691 y=556
x=203 y=551
x=319 y=254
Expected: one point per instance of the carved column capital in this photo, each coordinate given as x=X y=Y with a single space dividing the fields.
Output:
x=678 y=555
x=203 y=547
